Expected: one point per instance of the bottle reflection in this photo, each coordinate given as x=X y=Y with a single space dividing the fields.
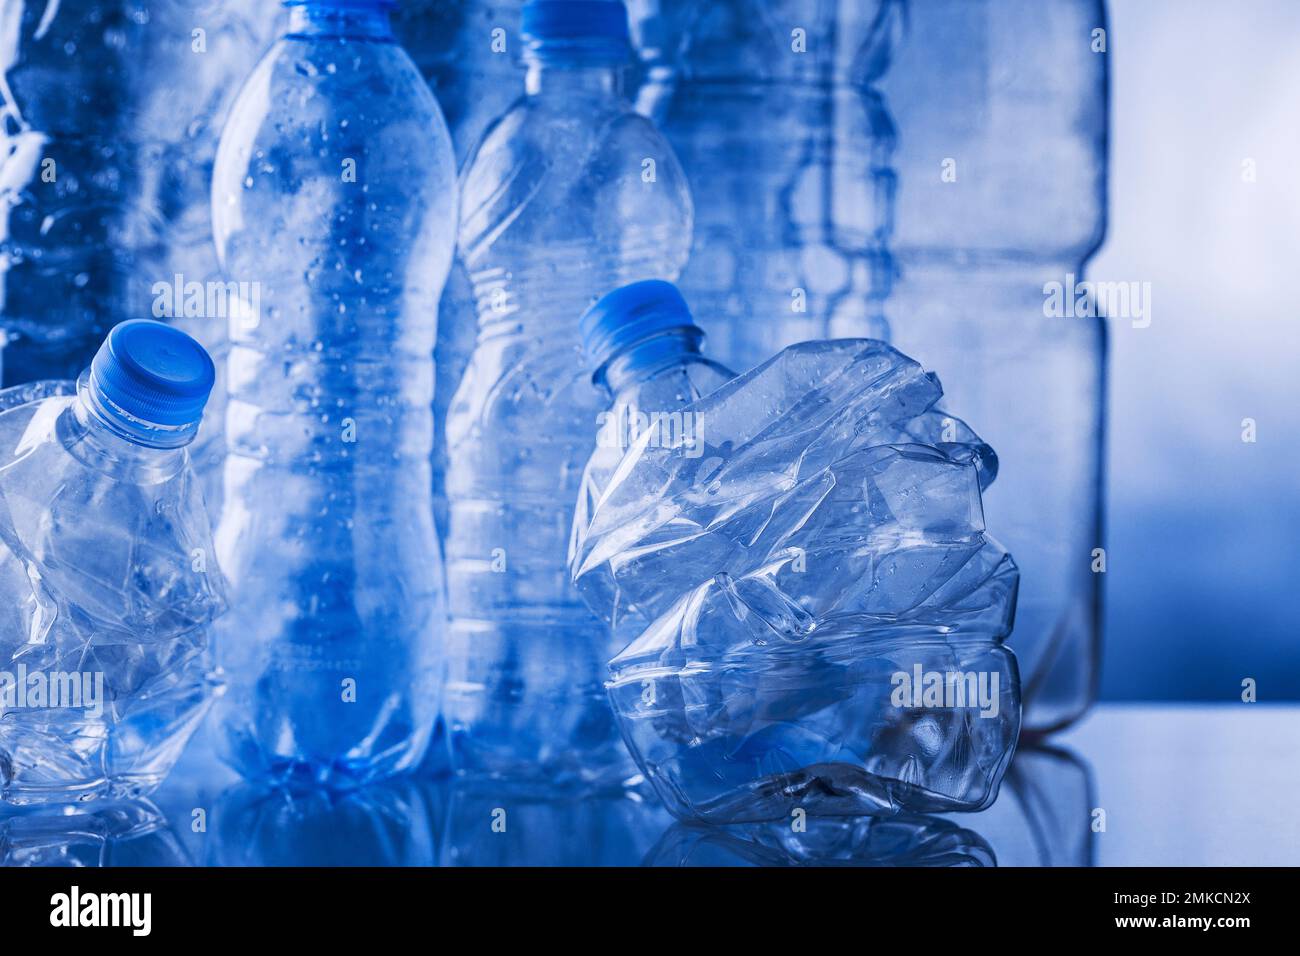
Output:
x=827 y=841
x=1041 y=818
x=102 y=833
x=391 y=823
x=493 y=824
x=1043 y=815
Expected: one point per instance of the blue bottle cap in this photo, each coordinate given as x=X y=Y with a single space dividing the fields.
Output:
x=544 y=20
x=631 y=314
x=150 y=374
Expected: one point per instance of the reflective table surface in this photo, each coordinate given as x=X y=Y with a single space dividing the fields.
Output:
x=1130 y=785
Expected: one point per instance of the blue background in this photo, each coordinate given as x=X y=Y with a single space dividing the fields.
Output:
x=1203 y=530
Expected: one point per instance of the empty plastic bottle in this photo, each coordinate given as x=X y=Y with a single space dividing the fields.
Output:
x=571 y=193
x=1000 y=107
x=468 y=51
x=108 y=576
x=334 y=192
x=795 y=566
x=773 y=109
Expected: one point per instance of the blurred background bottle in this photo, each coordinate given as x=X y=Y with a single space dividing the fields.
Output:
x=334 y=198
x=112 y=110
x=469 y=52
x=935 y=163
x=570 y=194
x=773 y=110
x=1001 y=109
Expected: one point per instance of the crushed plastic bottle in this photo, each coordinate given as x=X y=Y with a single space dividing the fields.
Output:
x=108 y=575
x=813 y=615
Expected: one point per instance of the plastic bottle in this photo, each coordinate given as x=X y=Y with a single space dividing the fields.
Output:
x=571 y=193
x=795 y=568
x=1001 y=113
x=773 y=109
x=108 y=576
x=334 y=193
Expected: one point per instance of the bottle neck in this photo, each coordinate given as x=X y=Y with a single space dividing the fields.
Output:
x=341 y=19
x=649 y=357
x=94 y=440
x=565 y=76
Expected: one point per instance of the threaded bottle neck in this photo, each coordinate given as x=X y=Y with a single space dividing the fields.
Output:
x=568 y=78
x=648 y=357
x=341 y=19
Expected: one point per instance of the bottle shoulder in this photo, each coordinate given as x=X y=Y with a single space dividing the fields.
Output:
x=323 y=103
x=327 y=141
x=674 y=387
x=539 y=172
x=46 y=443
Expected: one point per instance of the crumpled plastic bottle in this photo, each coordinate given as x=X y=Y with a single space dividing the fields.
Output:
x=814 y=615
x=108 y=579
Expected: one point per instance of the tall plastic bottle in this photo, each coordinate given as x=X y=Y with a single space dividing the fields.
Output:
x=1001 y=107
x=773 y=109
x=468 y=51
x=334 y=190
x=571 y=193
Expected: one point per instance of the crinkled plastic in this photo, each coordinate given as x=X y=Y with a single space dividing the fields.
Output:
x=815 y=617
x=108 y=582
